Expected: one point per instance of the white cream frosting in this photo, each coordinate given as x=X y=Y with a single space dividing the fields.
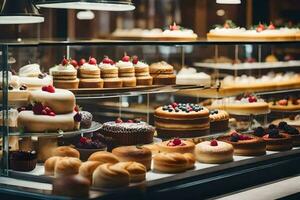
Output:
x=87 y=66
x=189 y=76
x=185 y=33
x=141 y=64
x=61 y=67
x=106 y=65
x=30 y=70
x=227 y=31
x=121 y=64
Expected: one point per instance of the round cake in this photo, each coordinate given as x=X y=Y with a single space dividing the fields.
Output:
x=219 y=120
x=277 y=141
x=245 y=145
x=176 y=145
x=285 y=105
x=214 y=152
x=132 y=132
x=181 y=120
x=292 y=131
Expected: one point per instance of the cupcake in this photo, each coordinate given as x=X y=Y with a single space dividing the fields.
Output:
x=126 y=72
x=90 y=75
x=109 y=73
x=86 y=119
x=141 y=72
x=22 y=160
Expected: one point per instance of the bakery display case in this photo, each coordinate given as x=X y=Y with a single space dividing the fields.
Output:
x=147 y=119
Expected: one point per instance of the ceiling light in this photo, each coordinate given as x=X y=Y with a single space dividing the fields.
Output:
x=19 y=12
x=229 y=1
x=85 y=15
x=104 y=5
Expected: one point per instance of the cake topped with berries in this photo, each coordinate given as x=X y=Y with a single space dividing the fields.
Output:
x=176 y=31
x=130 y=132
x=286 y=104
x=176 y=145
x=182 y=120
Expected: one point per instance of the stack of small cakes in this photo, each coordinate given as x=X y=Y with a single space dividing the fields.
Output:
x=126 y=72
x=90 y=75
x=109 y=73
x=141 y=72
x=162 y=73
x=64 y=75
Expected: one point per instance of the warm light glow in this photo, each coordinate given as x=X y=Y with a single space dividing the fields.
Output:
x=229 y=1
x=21 y=19
x=89 y=6
x=85 y=15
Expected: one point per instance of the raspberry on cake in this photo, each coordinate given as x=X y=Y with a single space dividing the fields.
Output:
x=176 y=145
x=181 y=120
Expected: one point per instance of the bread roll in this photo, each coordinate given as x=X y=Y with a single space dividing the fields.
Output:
x=103 y=157
x=66 y=151
x=50 y=165
x=87 y=169
x=136 y=170
x=66 y=166
x=190 y=160
x=170 y=162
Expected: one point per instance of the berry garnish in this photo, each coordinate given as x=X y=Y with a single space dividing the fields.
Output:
x=44 y=112
x=21 y=109
x=177 y=141
x=135 y=60
x=272 y=126
x=76 y=108
x=244 y=137
x=234 y=137
x=174 y=27
x=37 y=108
x=49 y=89
x=281 y=125
x=226 y=25
x=274 y=133
x=83 y=140
x=74 y=63
x=214 y=143
x=129 y=121
x=92 y=61
x=119 y=120
x=259 y=131
x=283 y=102
x=77 y=117
x=174 y=105
x=252 y=99
x=64 y=62
x=81 y=61
x=271 y=26
x=126 y=58
x=260 y=27
x=106 y=60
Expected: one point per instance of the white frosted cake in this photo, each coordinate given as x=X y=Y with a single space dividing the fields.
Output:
x=189 y=76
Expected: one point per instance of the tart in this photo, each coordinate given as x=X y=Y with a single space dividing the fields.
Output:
x=291 y=131
x=214 y=152
x=176 y=145
x=277 y=141
x=244 y=144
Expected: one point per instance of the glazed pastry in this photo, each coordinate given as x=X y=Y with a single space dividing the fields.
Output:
x=103 y=157
x=109 y=73
x=64 y=75
x=141 y=72
x=110 y=176
x=134 y=153
x=245 y=145
x=71 y=186
x=181 y=120
x=171 y=162
x=136 y=170
x=214 y=152
x=219 y=120
x=132 y=132
x=66 y=166
x=176 y=145
x=66 y=151
x=277 y=141
x=87 y=169
x=86 y=119
x=49 y=165
x=126 y=72
x=162 y=73
x=22 y=160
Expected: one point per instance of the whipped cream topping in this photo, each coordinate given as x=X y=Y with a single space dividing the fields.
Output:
x=180 y=33
x=106 y=65
x=61 y=67
x=141 y=64
x=30 y=70
x=87 y=66
x=227 y=31
x=122 y=64
x=233 y=100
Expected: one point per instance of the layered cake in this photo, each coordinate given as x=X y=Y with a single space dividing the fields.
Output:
x=214 y=152
x=289 y=104
x=52 y=110
x=189 y=76
x=176 y=145
x=141 y=72
x=162 y=73
x=126 y=72
x=131 y=132
x=64 y=75
x=219 y=120
x=31 y=76
x=90 y=74
x=246 y=104
x=110 y=74
x=181 y=120
x=244 y=144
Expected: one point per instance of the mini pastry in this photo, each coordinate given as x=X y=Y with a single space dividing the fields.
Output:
x=245 y=145
x=66 y=151
x=66 y=166
x=171 y=162
x=22 y=160
x=49 y=165
x=103 y=157
x=109 y=73
x=87 y=169
x=219 y=120
x=110 y=176
x=90 y=75
x=176 y=145
x=87 y=146
x=162 y=73
x=214 y=152
x=141 y=72
x=134 y=153
x=277 y=141
x=136 y=170
x=126 y=72
x=71 y=186
x=64 y=75
x=291 y=131
x=86 y=119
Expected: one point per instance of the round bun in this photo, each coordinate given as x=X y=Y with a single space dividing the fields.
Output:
x=66 y=166
x=110 y=176
x=103 y=157
x=50 y=165
x=134 y=153
x=183 y=147
x=206 y=153
x=72 y=186
x=66 y=151
x=87 y=169
x=136 y=170
x=190 y=160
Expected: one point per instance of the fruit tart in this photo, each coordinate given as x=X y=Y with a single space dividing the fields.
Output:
x=176 y=145
x=277 y=141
